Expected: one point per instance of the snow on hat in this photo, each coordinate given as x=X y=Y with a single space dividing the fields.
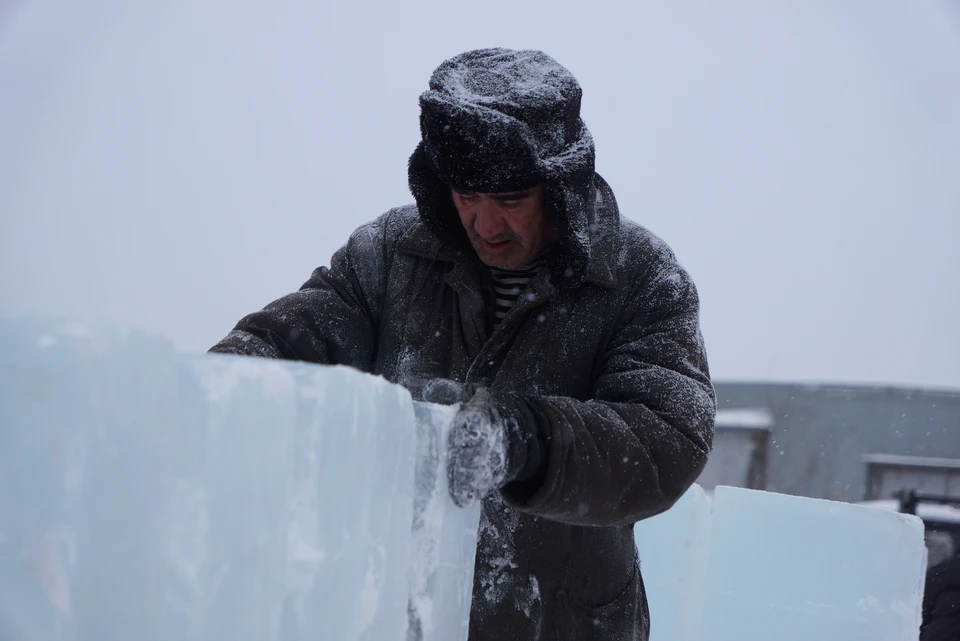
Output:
x=498 y=120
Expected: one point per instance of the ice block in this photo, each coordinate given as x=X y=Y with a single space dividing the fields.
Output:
x=147 y=494
x=794 y=569
x=674 y=550
x=752 y=566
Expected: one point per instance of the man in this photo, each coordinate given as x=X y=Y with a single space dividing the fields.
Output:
x=569 y=334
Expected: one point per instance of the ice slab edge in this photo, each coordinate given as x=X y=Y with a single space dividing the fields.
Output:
x=444 y=538
x=153 y=495
x=750 y=565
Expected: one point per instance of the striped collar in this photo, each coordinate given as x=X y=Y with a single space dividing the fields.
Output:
x=509 y=284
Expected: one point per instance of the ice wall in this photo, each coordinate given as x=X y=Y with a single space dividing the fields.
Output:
x=754 y=566
x=150 y=495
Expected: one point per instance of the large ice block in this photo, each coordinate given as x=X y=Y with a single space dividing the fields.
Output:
x=795 y=569
x=752 y=566
x=674 y=550
x=150 y=495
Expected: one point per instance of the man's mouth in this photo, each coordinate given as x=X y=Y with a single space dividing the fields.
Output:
x=496 y=247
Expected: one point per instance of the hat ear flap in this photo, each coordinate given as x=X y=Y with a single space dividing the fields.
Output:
x=571 y=201
x=570 y=263
x=435 y=202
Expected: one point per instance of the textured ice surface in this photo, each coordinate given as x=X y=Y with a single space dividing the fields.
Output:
x=150 y=495
x=445 y=538
x=781 y=567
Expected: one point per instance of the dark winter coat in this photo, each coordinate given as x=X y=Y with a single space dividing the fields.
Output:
x=611 y=361
x=941 y=602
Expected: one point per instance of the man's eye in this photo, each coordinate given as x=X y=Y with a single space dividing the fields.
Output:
x=511 y=204
x=469 y=198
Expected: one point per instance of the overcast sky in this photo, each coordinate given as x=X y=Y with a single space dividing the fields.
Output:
x=174 y=165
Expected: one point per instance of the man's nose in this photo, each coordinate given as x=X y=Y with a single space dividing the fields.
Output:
x=489 y=222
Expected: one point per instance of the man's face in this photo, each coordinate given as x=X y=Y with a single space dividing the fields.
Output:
x=507 y=230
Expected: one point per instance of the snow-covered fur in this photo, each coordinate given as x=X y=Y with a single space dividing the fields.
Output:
x=497 y=120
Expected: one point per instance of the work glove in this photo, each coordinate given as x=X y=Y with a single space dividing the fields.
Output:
x=487 y=444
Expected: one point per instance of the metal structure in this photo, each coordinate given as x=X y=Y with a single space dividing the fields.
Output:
x=740 y=444
x=904 y=476
x=822 y=441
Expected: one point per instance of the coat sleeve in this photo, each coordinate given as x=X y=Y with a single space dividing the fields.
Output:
x=334 y=316
x=632 y=450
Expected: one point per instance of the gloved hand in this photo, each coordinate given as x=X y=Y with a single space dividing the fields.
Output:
x=486 y=444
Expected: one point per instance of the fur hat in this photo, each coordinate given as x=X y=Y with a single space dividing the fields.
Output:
x=498 y=120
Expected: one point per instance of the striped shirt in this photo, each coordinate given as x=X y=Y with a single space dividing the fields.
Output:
x=509 y=285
